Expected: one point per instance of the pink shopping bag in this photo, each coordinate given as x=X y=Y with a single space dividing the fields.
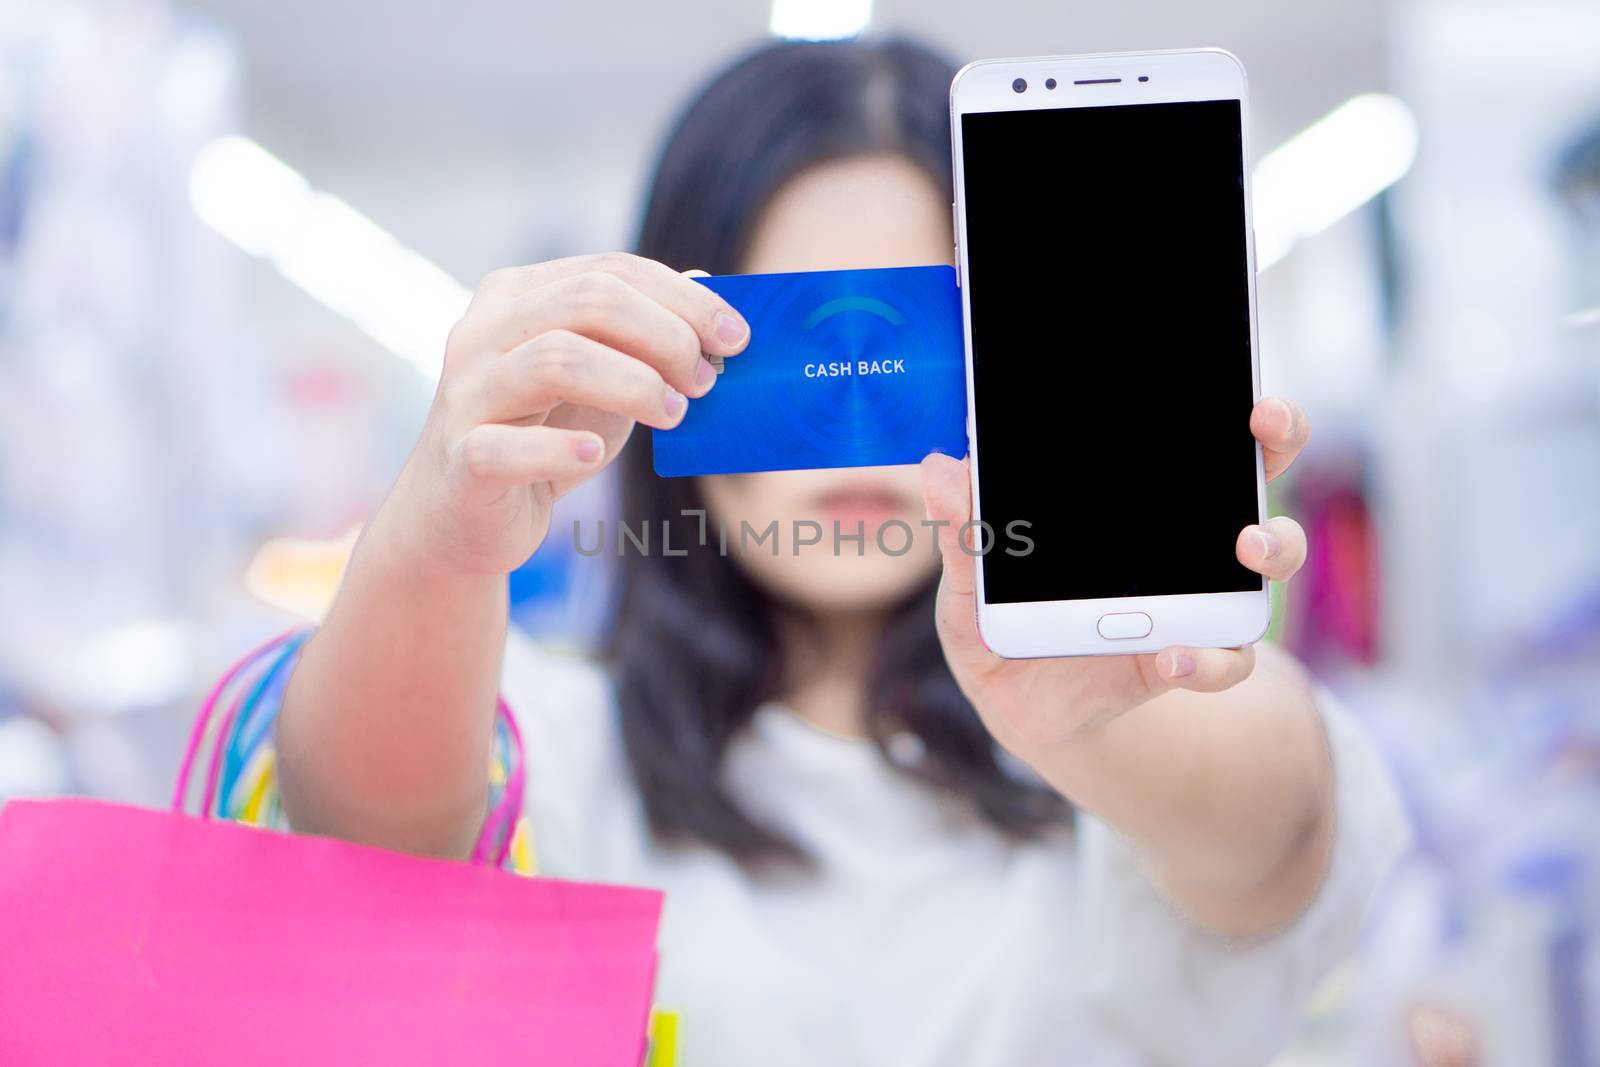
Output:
x=130 y=936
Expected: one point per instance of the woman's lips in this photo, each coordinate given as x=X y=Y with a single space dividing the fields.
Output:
x=871 y=507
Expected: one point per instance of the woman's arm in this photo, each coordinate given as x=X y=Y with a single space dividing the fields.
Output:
x=1215 y=768
x=1228 y=796
x=386 y=726
x=387 y=721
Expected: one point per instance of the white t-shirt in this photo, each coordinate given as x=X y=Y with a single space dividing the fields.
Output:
x=925 y=939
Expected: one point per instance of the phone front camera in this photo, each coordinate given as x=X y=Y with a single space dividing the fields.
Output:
x=1020 y=84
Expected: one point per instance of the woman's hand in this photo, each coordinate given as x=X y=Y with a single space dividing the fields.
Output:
x=388 y=719
x=1222 y=781
x=1026 y=703
x=543 y=380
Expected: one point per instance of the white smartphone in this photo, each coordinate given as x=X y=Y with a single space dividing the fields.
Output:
x=1107 y=268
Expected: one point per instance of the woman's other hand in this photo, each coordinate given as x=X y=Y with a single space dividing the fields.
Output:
x=1222 y=780
x=1027 y=702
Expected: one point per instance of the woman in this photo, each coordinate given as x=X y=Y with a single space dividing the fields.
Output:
x=879 y=842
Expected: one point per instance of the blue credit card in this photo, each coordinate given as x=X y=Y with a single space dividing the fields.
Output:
x=845 y=368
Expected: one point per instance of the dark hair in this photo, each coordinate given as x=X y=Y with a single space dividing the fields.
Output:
x=695 y=648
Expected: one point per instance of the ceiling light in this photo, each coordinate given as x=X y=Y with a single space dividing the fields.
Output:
x=340 y=257
x=1330 y=169
x=820 y=20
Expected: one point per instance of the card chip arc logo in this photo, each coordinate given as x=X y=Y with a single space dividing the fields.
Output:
x=828 y=310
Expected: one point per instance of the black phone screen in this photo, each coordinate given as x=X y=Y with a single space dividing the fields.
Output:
x=1110 y=318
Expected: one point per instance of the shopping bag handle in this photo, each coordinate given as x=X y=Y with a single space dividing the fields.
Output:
x=494 y=839
x=208 y=709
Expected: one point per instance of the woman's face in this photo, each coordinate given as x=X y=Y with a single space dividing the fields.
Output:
x=873 y=211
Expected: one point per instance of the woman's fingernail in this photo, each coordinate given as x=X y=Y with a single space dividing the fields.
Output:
x=730 y=329
x=589 y=449
x=1288 y=417
x=1269 y=542
x=675 y=402
x=1182 y=666
x=704 y=373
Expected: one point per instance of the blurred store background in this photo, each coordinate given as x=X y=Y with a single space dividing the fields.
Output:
x=200 y=397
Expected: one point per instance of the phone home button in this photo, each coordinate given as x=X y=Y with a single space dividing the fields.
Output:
x=1124 y=624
